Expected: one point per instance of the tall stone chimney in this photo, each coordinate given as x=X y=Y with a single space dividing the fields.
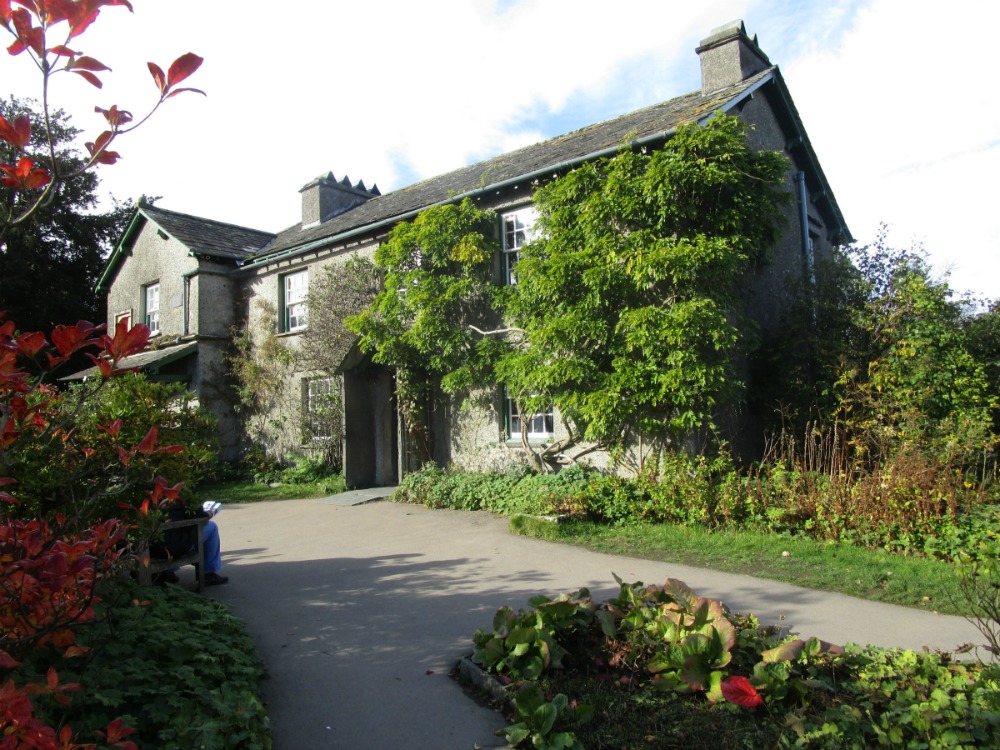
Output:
x=729 y=56
x=324 y=197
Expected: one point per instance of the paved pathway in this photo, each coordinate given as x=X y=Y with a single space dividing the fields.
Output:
x=360 y=611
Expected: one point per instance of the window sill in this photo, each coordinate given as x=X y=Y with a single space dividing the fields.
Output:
x=540 y=441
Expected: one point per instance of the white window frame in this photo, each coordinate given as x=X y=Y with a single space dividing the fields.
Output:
x=317 y=390
x=541 y=425
x=517 y=230
x=151 y=307
x=295 y=299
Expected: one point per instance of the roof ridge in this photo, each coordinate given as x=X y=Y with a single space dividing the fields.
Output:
x=204 y=219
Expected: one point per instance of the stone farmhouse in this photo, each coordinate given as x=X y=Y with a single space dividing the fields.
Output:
x=192 y=280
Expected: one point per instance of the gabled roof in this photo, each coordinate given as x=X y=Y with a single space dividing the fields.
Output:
x=213 y=239
x=521 y=166
x=202 y=237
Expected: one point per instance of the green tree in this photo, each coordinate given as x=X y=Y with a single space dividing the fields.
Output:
x=64 y=246
x=439 y=288
x=899 y=363
x=982 y=335
x=629 y=298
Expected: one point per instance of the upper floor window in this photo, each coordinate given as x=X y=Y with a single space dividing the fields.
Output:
x=518 y=230
x=295 y=288
x=151 y=307
x=539 y=426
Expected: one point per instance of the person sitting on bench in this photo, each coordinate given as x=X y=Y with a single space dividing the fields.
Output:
x=181 y=542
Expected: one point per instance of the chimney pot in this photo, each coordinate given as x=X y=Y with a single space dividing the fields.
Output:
x=729 y=56
x=324 y=197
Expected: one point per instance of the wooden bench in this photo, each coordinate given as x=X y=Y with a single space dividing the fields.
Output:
x=150 y=566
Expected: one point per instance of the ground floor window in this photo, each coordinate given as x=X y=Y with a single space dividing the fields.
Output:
x=539 y=426
x=322 y=397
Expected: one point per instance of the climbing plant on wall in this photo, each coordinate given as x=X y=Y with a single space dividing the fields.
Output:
x=439 y=288
x=629 y=298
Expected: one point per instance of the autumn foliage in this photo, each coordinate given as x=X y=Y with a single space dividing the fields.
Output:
x=51 y=565
x=48 y=32
x=50 y=570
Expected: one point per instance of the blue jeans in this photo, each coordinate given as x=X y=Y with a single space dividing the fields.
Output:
x=213 y=547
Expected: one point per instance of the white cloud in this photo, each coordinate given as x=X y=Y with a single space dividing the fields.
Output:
x=907 y=128
x=896 y=97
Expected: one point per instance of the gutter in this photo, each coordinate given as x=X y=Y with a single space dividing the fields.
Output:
x=807 y=253
x=185 y=295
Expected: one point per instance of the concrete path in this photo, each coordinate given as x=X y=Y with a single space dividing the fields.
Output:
x=361 y=610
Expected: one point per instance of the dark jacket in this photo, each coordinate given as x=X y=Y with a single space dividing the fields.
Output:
x=178 y=542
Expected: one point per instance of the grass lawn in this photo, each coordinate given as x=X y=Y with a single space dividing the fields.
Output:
x=252 y=492
x=878 y=576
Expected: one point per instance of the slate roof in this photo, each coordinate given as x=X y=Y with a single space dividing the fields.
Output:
x=521 y=165
x=250 y=247
x=214 y=239
x=150 y=360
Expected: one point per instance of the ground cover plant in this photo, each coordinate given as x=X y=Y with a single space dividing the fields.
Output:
x=660 y=667
x=178 y=668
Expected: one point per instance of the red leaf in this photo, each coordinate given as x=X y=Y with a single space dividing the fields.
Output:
x=27 y=36
x=112 y=428
x=175 y=92
x=102 y=365
x=115 y=117
x=183 y=67
x=17 y=133
x=81 y=21
x=86 y=63
x=89 y=78
x=126 y=340
x=63 y=51
x=738 y=690
x=123 y=455
x=68 y=339
x=31 y=343
x=98 y=151
x=157 y=72
x=23 y=175
x=7 y=661
x=148 y=444
x=116 y=732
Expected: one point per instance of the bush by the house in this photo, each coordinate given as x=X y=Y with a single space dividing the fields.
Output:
x=907 y=507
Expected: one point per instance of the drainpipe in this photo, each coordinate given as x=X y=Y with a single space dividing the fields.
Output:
x=184 y=298
x=807 y=252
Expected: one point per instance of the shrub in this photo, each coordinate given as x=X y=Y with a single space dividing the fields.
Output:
x=910 y=507
x=74 y=466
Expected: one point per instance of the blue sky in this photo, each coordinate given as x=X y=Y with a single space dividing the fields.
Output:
x=898 y=98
